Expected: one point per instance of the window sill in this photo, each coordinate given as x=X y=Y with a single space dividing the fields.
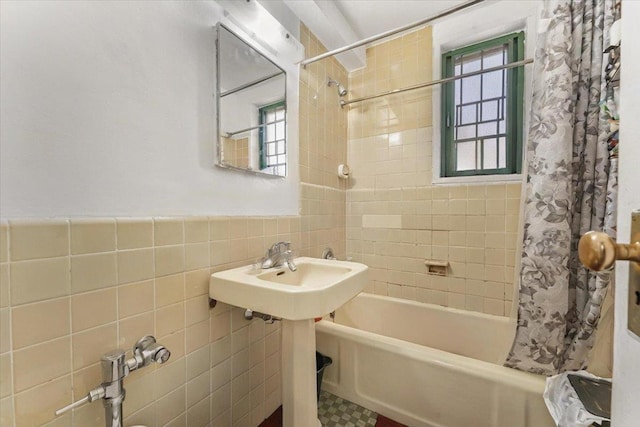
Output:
x=477 y=179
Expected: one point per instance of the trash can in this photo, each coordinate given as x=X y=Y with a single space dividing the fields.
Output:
x=322 y=362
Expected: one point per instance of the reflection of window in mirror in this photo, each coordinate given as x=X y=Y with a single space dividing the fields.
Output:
x=272 y=139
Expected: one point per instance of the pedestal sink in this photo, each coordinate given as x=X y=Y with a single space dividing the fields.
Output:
x=316 y=288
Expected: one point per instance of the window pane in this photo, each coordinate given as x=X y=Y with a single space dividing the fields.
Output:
x=280 y=114
x=492 y=84
x=468 y=114
x=465 y=132
x=279 y=130
x=502 y=157
x=490 y=154
x=493 y=57
x=271 y=132
x=489 y=111
x=466 y=156
x=471 y=89
x=471 y=62
x=487 y=129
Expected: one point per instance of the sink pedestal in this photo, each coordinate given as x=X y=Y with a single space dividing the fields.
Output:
x=299 y=404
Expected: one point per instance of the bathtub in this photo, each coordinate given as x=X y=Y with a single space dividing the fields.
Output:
x=427 y=365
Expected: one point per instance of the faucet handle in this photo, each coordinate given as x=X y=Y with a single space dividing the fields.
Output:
x=277 y=247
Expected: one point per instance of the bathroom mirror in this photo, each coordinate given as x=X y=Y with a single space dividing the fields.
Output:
x=252 y=109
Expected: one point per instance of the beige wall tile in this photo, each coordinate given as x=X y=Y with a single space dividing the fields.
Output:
x=87 y=378
x=200 y=413
x=145 y=415
x=197 y=283
x=170 y=406
x=5 y=330
x=196 y=229
x=4 y=285
x=133 y=328
x=168 y=231
x=89 y=346
x=39 y=280
x=134 y=233
x=36 y=406
x=93 y=236
x=197 y=389
x=88 y=415
x=91 y=272
x=6 y=382
x=197 y=336
x=196 y=256
x=218 y=229
x=170 y=319
x=35 y=365
x=168 y=377
x=169 y=290
x=135 y=298
x=175 y=342
x=43 y=321
x=93 y=309
x=135 y=266
x=169 y=260
x=4 y=242
x=6 y=412
x=138 y=395
x=198 y=362
x=39 y=239
x=197 y=309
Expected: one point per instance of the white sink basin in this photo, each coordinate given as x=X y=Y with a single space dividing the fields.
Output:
x=316 y=288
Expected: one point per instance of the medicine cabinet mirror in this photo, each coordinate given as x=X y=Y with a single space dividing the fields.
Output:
x=252 y=109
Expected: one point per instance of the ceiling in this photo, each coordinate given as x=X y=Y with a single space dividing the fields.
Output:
x=338 y=23
x=368 y=18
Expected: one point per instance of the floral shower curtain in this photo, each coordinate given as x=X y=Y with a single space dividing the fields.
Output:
x=566 y=189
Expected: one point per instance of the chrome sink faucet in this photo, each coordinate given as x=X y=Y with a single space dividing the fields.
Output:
x=115 y=367
x=279 y=254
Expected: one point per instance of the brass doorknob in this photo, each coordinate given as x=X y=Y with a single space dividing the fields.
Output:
x=597 y=251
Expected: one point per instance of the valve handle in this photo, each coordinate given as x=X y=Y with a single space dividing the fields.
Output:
x=93 y=395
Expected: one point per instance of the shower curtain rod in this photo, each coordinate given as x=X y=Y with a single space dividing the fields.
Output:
x=440 y=81
x=380 y=36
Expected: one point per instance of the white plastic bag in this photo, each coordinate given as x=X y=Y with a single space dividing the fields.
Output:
x=563 y=403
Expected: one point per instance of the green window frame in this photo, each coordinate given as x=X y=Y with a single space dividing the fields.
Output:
x=470 y=137
x=272 y=137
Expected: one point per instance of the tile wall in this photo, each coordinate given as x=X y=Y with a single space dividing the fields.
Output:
x=323 y=124
x=396 y=218
x=72 y=289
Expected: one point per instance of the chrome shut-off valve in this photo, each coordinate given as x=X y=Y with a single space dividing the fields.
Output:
x=147 y=350
x=115 y=367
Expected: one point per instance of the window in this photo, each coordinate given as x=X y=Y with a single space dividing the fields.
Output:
x=273 y=153
x=482 y=114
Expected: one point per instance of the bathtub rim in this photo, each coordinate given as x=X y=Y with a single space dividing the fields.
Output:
x=464 y=364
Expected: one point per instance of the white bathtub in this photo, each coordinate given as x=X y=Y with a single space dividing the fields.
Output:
x=426 y=365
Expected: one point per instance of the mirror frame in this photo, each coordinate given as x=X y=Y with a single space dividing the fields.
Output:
x=219 y=145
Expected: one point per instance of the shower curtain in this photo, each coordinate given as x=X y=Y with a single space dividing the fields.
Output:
x=567 y=189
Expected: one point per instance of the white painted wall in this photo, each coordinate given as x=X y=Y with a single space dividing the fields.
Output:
x=626 y=346
x=108 y=108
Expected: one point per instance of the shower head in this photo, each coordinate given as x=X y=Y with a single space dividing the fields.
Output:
x=342 y=91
